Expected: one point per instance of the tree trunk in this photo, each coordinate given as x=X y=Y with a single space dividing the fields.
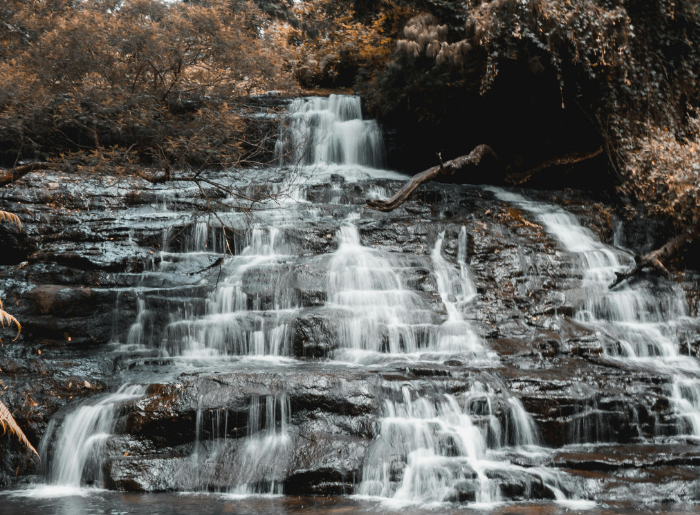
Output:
x=442 y=169
x=656 y=258
x=14 y=174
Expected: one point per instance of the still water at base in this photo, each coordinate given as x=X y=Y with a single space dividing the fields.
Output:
x=16 y=502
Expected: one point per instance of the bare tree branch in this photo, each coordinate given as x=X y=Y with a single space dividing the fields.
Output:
x=442 y=169
x=656 y=258
x=568 y=159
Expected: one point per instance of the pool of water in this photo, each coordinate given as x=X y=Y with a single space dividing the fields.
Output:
x=84 y=502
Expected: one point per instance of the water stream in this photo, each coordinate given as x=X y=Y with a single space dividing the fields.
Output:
x=637 y=326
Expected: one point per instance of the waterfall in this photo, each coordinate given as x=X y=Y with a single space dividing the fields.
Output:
x=255 y=464
x=136 y=336
x=522 y=430
x=686 y=397
x=79 y=445
x=431 y=450
x=439 y=447
x=330 y=130
x=636 y=323
x=455 y=290
x=377 y=314
x=236 y=322
x=457 y=436
x=328 y=136
x=263 y=460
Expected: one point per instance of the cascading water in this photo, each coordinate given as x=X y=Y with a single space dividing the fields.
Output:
x=330 y=130
x=455 y=334
x=434 y=448
x=328 y=135
x=255 y=464
x=79 y=447
x=378 y=314
x=435 y=442
x=636 y=324
x=237 y=323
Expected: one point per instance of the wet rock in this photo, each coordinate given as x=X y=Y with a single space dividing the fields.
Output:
x=631 y=456
x=94 y=264
x=519 y=485
x=314 y=336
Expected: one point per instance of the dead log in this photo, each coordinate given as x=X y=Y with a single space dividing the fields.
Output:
x=448 y=168
x=568 y=159
x=153 y=178
x=14 y=174
x=656 y=258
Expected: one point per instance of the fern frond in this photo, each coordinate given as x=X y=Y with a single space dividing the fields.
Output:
x=10 y=217
x=7 y=420
x=7 y=319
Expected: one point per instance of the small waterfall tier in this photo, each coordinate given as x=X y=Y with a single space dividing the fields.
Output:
x=237 y=321
x=437 y=447
x=254 y=464
x=378 y=314
x=328 y=136
x=638 y=326
x=636 y=322
x=80 y=447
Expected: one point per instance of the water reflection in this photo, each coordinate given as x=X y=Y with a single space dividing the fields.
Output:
x=157 y=504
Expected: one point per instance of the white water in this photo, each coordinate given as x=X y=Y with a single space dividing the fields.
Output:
x=639 y=325
x=258 y=463
x=377 y=314
x=236 y=322
x=331 y=130
x=455 y=291
x=325 y=136
x=431 y=450
x=432 y=446
x=79 y=444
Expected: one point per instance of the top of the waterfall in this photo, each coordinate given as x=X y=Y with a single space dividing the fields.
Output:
x=343 y=107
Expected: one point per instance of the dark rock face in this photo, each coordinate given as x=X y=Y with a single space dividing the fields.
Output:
x=88 y=270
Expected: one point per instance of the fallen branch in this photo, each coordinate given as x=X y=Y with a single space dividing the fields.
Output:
x=216 y=263
x=154 y=179
x=568 y=159
x=14 y=174
x=448 y=168
x=656 y=258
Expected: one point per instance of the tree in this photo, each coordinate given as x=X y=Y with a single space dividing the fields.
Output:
x=134 y=82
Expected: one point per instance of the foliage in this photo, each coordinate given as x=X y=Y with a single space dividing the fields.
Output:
x=664 y=172
x=7 y=320
x=631 y=67
x=339 y=42
x=10 y=217
x=150 y=80
x=7 y=420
